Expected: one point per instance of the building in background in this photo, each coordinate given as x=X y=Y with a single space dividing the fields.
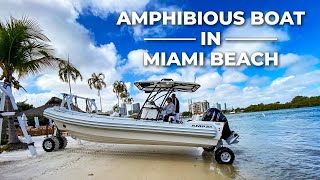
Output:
x=218 y=106
x=198 y=107
x=135 y=108
x=225 y=106
x=123 y=109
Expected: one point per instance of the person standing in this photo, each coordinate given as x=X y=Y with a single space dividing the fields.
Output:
x=175 y=101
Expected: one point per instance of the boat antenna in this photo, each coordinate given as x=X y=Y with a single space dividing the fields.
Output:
x=195 y=78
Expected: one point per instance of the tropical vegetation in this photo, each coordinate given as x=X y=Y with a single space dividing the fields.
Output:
x=97 y=82
x=24 y=50
x=186 y=114
x=67 y=72
x=120 y=88
x=23 y=106
x=296 y=102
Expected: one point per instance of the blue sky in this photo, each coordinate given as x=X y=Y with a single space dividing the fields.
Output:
x=87 y=31
x=303 y=39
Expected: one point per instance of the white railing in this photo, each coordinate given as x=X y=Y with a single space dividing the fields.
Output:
x=69 y=98
x=6 y=90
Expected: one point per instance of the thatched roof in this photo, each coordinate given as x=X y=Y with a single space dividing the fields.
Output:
x=54 y=101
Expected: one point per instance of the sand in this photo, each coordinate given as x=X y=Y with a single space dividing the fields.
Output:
x=110 y=161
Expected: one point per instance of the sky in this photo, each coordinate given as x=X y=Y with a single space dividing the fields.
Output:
x=86 y=31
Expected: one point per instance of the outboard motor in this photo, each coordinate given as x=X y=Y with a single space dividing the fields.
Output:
x=214 y=114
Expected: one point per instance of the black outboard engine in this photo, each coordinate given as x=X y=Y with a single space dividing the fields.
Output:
x=214 y=114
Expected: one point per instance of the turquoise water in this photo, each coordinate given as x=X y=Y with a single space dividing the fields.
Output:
x=283 y=144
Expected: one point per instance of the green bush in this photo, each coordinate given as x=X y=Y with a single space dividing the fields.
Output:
x=22 y=106
x=186 y=113
x=5 y=147
x=42 y=120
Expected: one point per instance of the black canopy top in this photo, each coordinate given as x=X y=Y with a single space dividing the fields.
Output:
x=166 y=85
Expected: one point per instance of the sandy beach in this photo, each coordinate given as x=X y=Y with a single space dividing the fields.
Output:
x=109 y=161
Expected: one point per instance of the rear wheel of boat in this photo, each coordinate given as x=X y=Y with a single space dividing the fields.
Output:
x=62 y=142
x=224 y=155
x=50 y=144
x=209 y=149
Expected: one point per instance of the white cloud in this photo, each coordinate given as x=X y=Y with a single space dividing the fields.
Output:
x=280 y=81
x=209 y=80
x=250 y=31
x=259 y=89
x=135 y=64
x=251 y=90
x=232 y=76
x=300 y=80
x=258 y=80
x=68 y=38
x=104 y=7
x=139 y=31
x=282 y=89
x=296 y=64
x=37 y=99
x=302 y=65
x=288 y=59
x=159 y=30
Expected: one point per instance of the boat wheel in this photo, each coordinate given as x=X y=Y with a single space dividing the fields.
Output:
x=209 y=149
x=224 y=155
x=50 y=144
x=62 y=142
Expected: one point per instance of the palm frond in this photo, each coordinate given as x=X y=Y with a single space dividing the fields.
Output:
x=97 y=81
x=24 y=49
x=67 y=70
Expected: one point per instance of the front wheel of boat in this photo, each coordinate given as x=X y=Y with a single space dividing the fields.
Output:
x=62 y=142
x=224 y=155
x=49 y=144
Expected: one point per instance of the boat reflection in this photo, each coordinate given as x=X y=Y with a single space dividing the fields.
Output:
x=225 y=170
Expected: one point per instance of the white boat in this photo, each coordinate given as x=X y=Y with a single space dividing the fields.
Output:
x=197 y=117
x=149 y=128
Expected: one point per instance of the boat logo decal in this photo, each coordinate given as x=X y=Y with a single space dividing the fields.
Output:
x=201 y=126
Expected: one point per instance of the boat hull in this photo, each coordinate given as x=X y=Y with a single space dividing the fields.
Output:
x=106 y=129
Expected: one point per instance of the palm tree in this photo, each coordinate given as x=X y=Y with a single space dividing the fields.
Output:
x=115 y=108
x=97 y=81
x=67 y=72
x=24 y=50
x=120 y=88
x=124 y=95
x=129 y=100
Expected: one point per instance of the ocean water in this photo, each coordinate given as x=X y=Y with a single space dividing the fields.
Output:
x=283 y=144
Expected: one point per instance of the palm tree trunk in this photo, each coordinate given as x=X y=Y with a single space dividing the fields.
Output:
x=12 y=131
x=69 y=77
x=100 y=100
x=118 y=103
x=69 y=84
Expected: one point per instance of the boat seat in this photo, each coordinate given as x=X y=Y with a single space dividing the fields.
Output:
x=171 y=119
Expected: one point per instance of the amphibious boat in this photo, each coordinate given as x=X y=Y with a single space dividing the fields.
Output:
x=148 y=127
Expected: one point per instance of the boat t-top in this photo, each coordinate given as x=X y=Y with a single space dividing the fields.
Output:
x=148 y=127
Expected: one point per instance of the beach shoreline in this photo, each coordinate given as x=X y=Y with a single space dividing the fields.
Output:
x=112 y=161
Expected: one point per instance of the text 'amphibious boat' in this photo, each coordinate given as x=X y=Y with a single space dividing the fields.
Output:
x=148 y=128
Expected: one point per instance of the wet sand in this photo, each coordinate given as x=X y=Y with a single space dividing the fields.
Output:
x=110 y=161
